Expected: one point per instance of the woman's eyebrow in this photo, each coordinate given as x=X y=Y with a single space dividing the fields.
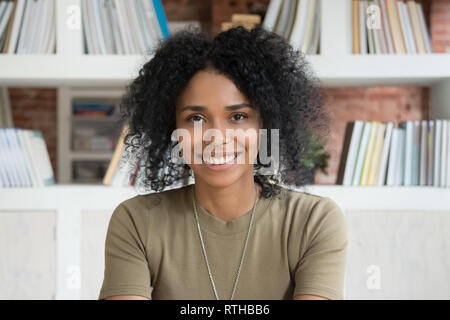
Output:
x=231 y=107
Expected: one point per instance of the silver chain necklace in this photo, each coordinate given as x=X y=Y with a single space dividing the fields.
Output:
x=243 y=252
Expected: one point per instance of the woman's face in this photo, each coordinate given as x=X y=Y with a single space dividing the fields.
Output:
x=212 y=101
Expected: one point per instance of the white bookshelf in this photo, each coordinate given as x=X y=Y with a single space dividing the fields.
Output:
x=66 y=155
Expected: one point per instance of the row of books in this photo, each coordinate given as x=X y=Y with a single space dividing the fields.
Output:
x=414 y=153
x=389 y=27
x=27 y=26
x=92 y=109
x=24 y=160
x=123 y=27
x=298 y=21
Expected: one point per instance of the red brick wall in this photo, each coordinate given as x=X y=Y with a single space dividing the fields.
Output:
x=36 y=107
x=440 y=25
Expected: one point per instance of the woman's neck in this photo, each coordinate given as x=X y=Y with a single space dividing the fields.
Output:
x=227 y=203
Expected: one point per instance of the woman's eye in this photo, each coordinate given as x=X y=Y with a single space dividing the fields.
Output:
x=239 y=116
x=195 y=118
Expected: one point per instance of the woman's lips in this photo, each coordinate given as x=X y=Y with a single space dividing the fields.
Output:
x=224 y=166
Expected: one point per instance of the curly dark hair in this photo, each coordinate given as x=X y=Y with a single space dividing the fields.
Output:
x=263 y=66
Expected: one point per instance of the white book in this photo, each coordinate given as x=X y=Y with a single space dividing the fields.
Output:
x=409 y=135
x=403 y=27
x=118 y=41
x=4 y=21
x=98 y=26
x=437 y=152
x=92 y=27
x=7 y=181
x=106 y=27
x=400 y=165
x=423 y=153
x=136 y=25
x=447 y=182
x=41 y=158
x=309 y=24
x=381 y=34
x=393 y=157
x=430 y=153
x=15 y=156
x=18 y=18
x=144 y=26
x=130 y=26
x=154 y=19
x=444 y=143
x=353 y=152
x=36 y=178
x=9 y=162
x=24 y=156
x=39 y=25
x=385 y=153
x=370 y=37
x=409 y=28
x=415 y=154
x=271 y=15
x=126 y=38
x=51 y=48
x=21 y=157
x=24 y=27
x=33 y=26
x=375 y=33
x=28 y=157
x=86 y=28
x=281 y=26
x=425 y=32
x=362 y=27
x=149 y=17
x=386 y=28
x=298 y=29
x=314 y=47
x=47 y=29
x=3 y=5
x=361 y=154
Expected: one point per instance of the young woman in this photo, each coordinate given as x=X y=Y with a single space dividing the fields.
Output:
x=234 y=233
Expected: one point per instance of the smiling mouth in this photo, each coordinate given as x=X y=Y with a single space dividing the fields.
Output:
x=217 y=160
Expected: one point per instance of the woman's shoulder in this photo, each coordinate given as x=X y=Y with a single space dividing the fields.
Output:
x=309 y=205
x=148 y=203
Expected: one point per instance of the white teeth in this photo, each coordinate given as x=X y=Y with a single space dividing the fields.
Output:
x=219 y=160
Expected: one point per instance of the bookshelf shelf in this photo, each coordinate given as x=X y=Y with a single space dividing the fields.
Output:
x=381 y=69
x=91 y=155
x=333 y=70
x=355 y=197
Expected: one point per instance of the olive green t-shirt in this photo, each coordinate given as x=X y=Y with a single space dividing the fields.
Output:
x=297 y=245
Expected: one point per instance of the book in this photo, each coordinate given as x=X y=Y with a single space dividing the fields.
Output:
x=376 y=157
x=24 y=159
x=271 y=14
x=361 y=154
x=369 y=153
x=350 y=152
x=382 y=173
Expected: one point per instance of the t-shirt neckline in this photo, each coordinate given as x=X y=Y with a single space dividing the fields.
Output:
x=216 y=225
